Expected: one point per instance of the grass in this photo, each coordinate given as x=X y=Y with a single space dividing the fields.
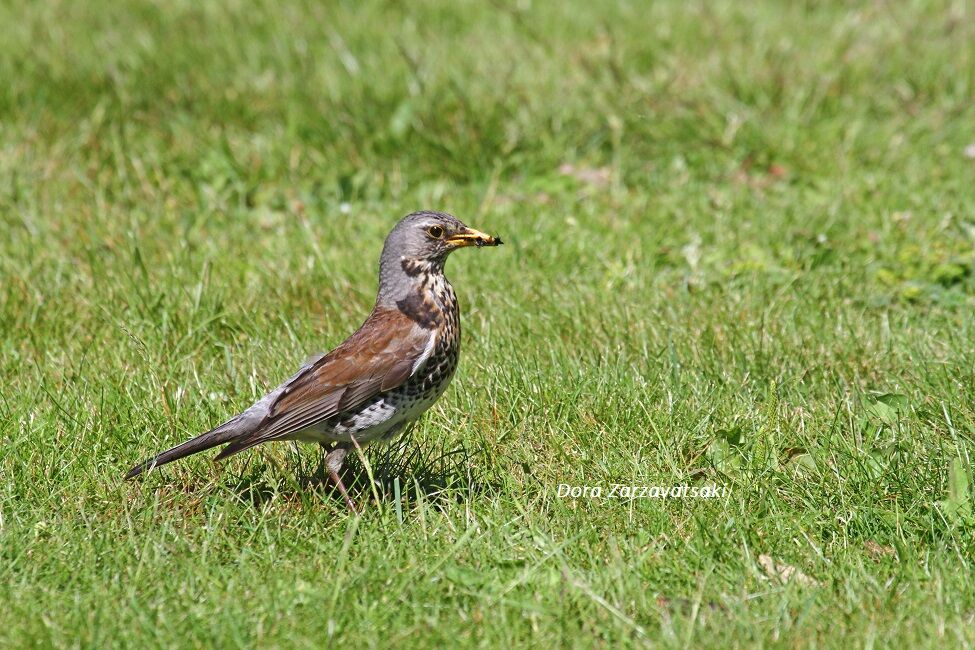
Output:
x=740 y=252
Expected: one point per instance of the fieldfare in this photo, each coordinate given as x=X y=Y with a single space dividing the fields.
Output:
x=381 y=378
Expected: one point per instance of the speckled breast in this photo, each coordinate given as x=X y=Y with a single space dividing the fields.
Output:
x=386 y=415
x=422 y=390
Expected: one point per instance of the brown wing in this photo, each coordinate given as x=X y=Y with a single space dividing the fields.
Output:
x=380 y=356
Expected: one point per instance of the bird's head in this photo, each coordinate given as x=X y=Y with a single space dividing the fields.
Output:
x=420 y=243
x=431 y=236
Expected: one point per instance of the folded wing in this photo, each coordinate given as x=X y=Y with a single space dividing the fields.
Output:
x=380 y=356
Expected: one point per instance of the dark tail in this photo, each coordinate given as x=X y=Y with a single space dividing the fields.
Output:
x=212 y=438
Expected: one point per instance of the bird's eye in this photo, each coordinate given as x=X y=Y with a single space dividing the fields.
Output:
x=435 y=231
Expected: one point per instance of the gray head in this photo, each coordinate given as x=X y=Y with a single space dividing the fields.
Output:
x=418 y=246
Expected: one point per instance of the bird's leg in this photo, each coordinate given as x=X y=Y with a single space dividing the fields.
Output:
x=326 y=447
x=333 y=463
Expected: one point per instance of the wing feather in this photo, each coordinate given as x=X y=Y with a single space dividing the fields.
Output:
x=382 y=355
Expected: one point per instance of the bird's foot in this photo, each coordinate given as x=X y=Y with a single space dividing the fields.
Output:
x=337 y=480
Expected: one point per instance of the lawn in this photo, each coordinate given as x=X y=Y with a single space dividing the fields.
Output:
x=740 y=252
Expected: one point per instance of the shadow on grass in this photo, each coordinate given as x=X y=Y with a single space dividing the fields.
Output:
x=406 y=468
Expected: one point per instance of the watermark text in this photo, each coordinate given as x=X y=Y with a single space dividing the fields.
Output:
x=626 y=491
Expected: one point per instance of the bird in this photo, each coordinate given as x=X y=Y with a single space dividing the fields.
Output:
x=382 y=378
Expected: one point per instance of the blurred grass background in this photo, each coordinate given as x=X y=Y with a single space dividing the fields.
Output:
x=740 y=251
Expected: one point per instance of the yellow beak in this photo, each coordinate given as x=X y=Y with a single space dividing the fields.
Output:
x=471 y=237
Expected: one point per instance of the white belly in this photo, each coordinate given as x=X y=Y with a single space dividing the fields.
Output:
x=375 y=420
